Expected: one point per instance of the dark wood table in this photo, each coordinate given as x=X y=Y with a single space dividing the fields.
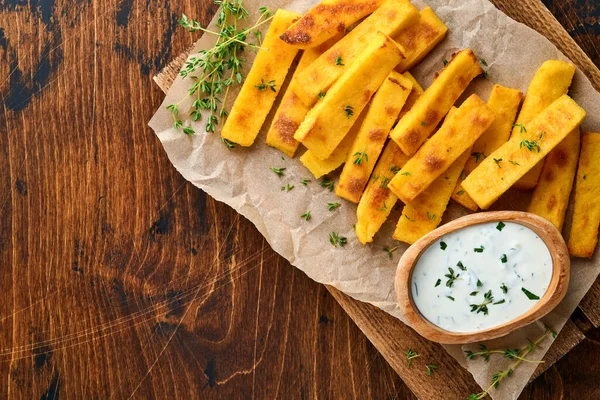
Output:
x=118 y=278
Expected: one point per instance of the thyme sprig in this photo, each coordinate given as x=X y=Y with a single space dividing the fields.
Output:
x=513 y=354
x=217 y=68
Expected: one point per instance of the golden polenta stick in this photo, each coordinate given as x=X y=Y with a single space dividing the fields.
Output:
x=377 y=201
x=424 y=213
x=501 y=169
x=327 y=19
x=318 y=77
x=551 y=81
x=420 y=38
x=458 y=133
x=551 y=195
x=320 y=167
x=331 y=118
x=291 y=110
x=586 y=216
x=383 y=111
x=416 y=126
x=262 y=84
x=505 y=104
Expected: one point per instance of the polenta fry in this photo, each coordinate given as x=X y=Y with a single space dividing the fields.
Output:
x=586 y=216
x=262 y=84
x=551 y=81
x=501 y=169
x=458 y=133
x=377 y=201
x=416 y=126
x=326 y=20
x=331 y=118
x=385 y=107
x=505 y=104
x=551 y=195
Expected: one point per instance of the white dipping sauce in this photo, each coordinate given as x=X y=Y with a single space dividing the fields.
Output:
x=505 y=261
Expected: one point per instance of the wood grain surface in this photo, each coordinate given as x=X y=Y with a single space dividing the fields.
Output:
x=121 y=280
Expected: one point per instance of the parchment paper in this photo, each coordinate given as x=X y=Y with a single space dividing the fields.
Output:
x=242 y=179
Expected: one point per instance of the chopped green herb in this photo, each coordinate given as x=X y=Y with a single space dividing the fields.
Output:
x=514 y=163
x=390 y=252
x=410 y=355
x=475 y=293
x=360 y=156
x=394 y=169
x=349 y=110
x=230 y=145
x=383 y=207
x=497 y=161
x=504 y=288
x=443 y=245
x=431 y=217
x=327 y=184
x=478 y=155
x=406 y=173
x=451 y=277
x=322 y=94
x=339 y=61
x=408 y=218
x=450 y=297
x=504 y=259
x=532 y=145
x=479 y=249
x=306 y=216
x=305 y=182
x=530 y=295
x=266 y=85
x=431 y=369
x=460 y=192
x=437 y=283
x=335 y=239
x=500 y=226
x=584 y=177
x=332 y=206
x=445 y=62
x=483 y=62
x=423 y=123
x=500 y=302
x=479 y=283
x=287 y=187
x=278 y=171
x=521 y=126
x=482 y=307
x=461 y=266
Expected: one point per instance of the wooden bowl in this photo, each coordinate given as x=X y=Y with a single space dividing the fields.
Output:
x=556 y=291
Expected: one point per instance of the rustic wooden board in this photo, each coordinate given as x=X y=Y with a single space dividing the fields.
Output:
x=390 y=336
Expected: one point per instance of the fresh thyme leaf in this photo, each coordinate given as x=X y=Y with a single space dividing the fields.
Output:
x=530 y=295
x=423 y=123
x=431 y=369
x=383 y=207
x=335 y=239
x=408 y=218
x=584 y=177
x=230 y=145
x=327 y=184
x=479 y=283
x=431 y=217
x=437 y=283
x=504 y=288
x=463 y=175
x=486 y=75
x=287 y=187
x=188 y=130
x=500 y=226
x=349 y=110
x=532 y=145
x=306 y=216
x=521 y=127
x=461 y=266
x=497 y=161
x=500 y=302
x=332 y=206
x=478 y=155
x=445 y=62
x=394 y=169
x=482 y=307
x=406 y=173
x=504 y=259
x=384 y=182
x=514 y=163
x=305 y=182
x=483 y=62
x=410 y=355
x=451 y=277
x=460 y=192
x=339 y=61
x=450 y=297
x=278 y=171
x=390 y=252
x=479 y=249
x=475 y=293
x=360 y=156
x=443 y=245
x=321 y=95
x=266 y=85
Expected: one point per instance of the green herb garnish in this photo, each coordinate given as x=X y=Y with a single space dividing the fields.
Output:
x=306 y=216
x=349 y=110
x=500 y=226
x=451 y=277
x=335 y=239
x=360 y=156
x=504 y=259
x=278 y=171
x=266 y=85
x=390 y=252
x=530 y=295
x=332 y=206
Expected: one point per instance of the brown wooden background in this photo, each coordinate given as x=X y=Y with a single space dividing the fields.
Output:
x=119 y=279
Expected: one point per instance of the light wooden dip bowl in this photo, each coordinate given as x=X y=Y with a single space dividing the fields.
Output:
x=554 y=294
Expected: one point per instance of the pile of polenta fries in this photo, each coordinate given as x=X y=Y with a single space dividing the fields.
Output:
x=352 y=101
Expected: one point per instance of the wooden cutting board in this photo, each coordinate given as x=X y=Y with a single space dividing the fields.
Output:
x=390 y=336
